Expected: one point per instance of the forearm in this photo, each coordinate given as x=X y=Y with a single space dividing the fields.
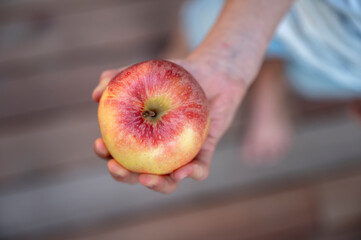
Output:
x=235 y=46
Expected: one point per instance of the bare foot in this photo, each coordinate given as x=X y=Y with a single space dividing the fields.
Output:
x=266 y=140
x=269 y=128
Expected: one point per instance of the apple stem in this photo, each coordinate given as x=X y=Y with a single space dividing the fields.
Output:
x=149 y=114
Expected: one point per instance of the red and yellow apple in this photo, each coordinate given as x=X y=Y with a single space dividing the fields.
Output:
x=153 y=117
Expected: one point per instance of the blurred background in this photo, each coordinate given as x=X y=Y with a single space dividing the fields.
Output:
x=52 y=186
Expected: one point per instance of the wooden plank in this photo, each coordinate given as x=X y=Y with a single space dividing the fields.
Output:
x=23 y=10
x=142 y=40
x=27 y=40
x=66 y=143
x=51 y=90
x=25 y=140
x=276 y=216
x=50 y=71
x=340 y=204
x=60 y=142
x=28 y=148
x=56 y=73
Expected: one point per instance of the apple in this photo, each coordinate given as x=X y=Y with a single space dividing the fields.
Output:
x=153 y=117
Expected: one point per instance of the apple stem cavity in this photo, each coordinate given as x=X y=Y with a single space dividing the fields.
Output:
x=149 y=113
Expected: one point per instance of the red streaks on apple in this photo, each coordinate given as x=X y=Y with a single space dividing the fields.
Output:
x=153 y=104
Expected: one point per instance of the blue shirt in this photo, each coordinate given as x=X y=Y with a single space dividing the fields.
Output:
x=319 y=39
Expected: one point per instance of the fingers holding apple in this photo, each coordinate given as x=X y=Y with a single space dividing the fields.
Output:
x=100 y=149
x=160 y=183
x=121 y=174
x=118 y=172
x=104 y=80
x=198 y=168
x=153 y=117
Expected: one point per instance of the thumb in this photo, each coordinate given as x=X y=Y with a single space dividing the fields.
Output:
x=104 y=80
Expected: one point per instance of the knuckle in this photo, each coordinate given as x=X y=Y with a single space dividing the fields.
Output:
x=212 y=143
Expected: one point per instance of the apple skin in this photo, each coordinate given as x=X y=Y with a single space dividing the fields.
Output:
x=153 y=117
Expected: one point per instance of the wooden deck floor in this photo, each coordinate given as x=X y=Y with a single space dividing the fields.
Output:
x=53 y=187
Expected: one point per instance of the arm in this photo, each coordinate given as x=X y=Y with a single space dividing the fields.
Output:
x=224 y=64
x=236 y=44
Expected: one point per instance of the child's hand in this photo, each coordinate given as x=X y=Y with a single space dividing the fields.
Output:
x=225 y=62
x=224 y=95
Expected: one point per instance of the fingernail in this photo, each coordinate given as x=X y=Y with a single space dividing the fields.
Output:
x=116 y=169
x=198 y=172
x=151 y=183
x=100 y=148
x=95 y=93
x=101 y=86
x=182 y=176
x=97 y=89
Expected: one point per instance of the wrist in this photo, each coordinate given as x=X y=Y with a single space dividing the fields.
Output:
x=213 y=64
x=232 y=62
x=212 y=77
